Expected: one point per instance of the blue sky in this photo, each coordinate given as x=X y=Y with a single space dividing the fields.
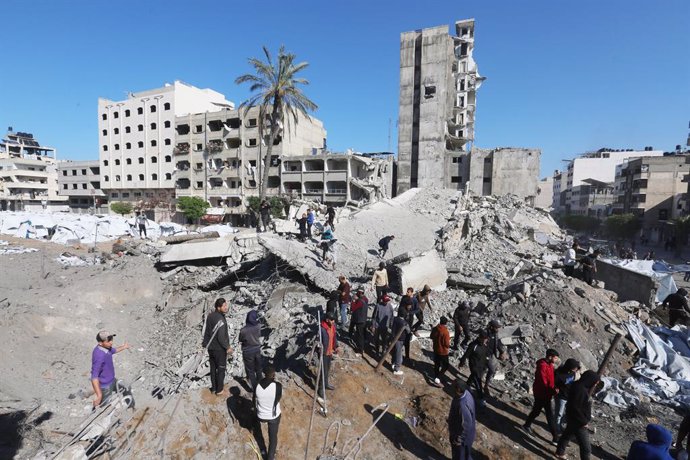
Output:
x=563 y=76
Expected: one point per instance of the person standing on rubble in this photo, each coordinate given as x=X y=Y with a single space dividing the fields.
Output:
x=379 y=281
x=677 y=304
x=265 y=213
x=217 y=342
x=565 y=376
x=329 y=346
x=345 y=299
x=383 y=245
x=570 y=260
x=333 y=304
x=310 y=221
x=358 y=320
x=440 y=338
x=461 y=422
x=461 y=321
x=326 y=245
x=302 y=224
x=543 y=390
x=408 y=307
x=477 y=356
x=330 y=212
x=497 y=352
x=267 y=394
x=382 y=323
x=423 y=301
x=400 y=323
x=140 y=220
x=578 y=413
x=103 y=370
x=589 y=267
x=250 y=339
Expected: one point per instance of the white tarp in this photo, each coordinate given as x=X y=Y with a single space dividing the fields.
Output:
x=657 y=270
x=222 y=229
x=663 y=369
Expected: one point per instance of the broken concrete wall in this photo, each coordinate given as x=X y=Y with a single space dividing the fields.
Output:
x=418 y=270
x=629 y=285
x=504 y=171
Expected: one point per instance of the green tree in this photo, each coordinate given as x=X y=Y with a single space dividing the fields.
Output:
x=192 y=207
x=622 y=225
x=580 y=223
x=277 y=203
x=121 y=207
x=277 y=95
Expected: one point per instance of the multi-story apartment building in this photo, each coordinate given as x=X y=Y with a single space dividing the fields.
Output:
x=28 y=174
x=80 y=182
x=218 y=155
x=599 y=165
x=654 y=189
x=438 y=84
x=137 y=136
x=592 y=198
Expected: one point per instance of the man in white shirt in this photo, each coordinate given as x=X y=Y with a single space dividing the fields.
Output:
x=570 y=260
x=267 y=405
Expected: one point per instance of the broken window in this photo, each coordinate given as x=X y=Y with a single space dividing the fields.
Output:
x=141 y=177
x=153 y=108
x=129 y=179
x=128 y=129
x=127 y=113
x=166 y=106
x=154 y=160
x=128 y=161
x=252 y=122
x=105 y=132
x=166 y=124
x=117 y=162
x=140 y=110
x=199 y=128
x=252 y=142
x=182 y=129
x=141 y=160
x=429 y=92
x=168 y=176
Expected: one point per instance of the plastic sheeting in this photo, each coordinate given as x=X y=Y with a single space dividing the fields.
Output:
x=222 y=230
x=660 y=271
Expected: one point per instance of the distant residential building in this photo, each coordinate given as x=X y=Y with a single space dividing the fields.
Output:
x=592 y=198
x=137 y=136
x=438 y=84
x=28 y=174
x=654 y=189
x=80 y=181
x=545 y=190
x=599 y=166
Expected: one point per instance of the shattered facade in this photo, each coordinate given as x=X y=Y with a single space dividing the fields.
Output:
x=500 y=171
x=544 y=197
x=438 y=84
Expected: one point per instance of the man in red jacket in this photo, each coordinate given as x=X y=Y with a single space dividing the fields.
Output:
x=441 y=340
x=544 y=389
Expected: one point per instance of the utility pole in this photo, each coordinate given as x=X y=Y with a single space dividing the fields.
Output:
x=389 y=134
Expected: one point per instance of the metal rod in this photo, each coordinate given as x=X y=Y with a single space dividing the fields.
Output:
x=390 y=347
x=605 y=361
x=323 y=370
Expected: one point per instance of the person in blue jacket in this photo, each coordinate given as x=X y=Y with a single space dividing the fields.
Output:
x=657 y=446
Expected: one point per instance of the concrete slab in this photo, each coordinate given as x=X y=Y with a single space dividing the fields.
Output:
x=198 y=250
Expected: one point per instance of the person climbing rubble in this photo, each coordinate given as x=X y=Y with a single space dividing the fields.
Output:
x=677 y=304
x=543 y=390
x=461 y=422
x=497 y=352
x=345 y=299
x=330 y=212
x=250 y=339
x=440 y=338
x=379 y=281
x=400 y=323
x=217 y=341
x=383 y=245
x=103 y=380
x=333 y=304
x=564 y=378
x=358 y=320
x=267 y=395
x=329 y=346
x=461 y=321
x=423 y=301
x=589 y=267
x=326 y=245
x=382 y=323
x=477 y=357
x=570 y=260
x=578 y=413
x=655 y=448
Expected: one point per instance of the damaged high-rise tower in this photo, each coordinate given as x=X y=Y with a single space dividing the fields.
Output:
x=438 y=85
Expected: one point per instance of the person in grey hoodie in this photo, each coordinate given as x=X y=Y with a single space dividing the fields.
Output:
x=462 y=422
x=382 y=323
x=250 y=339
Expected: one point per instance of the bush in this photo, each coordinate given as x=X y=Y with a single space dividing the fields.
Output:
x=580 y=223
x=192 y=207
x=120 y=207
x=277 y=203
x=623 y=226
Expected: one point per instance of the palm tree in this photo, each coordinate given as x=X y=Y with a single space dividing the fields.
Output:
x=277 y=95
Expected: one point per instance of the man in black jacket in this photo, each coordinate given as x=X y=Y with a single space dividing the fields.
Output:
x=400 y=323
x=477 y=354
x=578 y=413
x=677 y=304
x=589 y=267
x=250 y=338
x=217 y=342
x=358 y=320
x=461 y=320
x=564 y=379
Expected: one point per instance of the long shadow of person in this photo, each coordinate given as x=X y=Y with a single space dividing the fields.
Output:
x=241 y=409
x=398 y=432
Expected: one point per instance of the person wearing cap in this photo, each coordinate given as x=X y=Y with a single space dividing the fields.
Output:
x=497 y=352
x=329 y=346
x=677 y=304
x=440 y=337
x=477 y=356
x=564 y=378
x=358 y=320
x=589 y=267
x=578 y=413
x=543 y=390
x=382 y=323
x=250 y=339
x=217 y=341
x=462 y=421
x=400 y=323
x=379 y=281
x=102 y=368
x=461 y=321
x=423 y=301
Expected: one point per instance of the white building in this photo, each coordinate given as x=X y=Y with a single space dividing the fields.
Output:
x=136 y=141
x=28 y=174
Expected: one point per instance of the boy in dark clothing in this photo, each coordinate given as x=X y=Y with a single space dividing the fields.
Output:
x=399 y=323
x=382 y=323
x=589 y=267
x=544 y=389
x=250 y=338
x=265 y=212
x=408 y=307
x=462 y=422
x=440 y=337
x=345 y=299
x=565 y=376
x=461 y=320
x=477 y=354
x=677 y=305
x=657 y=445
x=578 y=413
x=302 y=223
x=358 y=320
x=332 y=305
x=383 y=245
x=217 y=342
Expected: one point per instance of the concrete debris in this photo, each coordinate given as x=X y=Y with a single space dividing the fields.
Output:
x=229 y=249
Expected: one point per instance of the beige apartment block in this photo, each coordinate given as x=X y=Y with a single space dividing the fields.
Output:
x=218 y=155
x=136 y=140
x=438 y=91
x=80 y=182
x=28 y=175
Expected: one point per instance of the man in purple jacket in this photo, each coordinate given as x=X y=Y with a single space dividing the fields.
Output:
x=102 y=368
